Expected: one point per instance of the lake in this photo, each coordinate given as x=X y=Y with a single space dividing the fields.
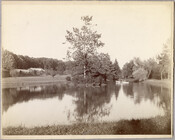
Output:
x=58 y=104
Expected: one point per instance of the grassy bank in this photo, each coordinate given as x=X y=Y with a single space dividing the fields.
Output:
x=163 y=83
x=12 y=82
x=157 y=125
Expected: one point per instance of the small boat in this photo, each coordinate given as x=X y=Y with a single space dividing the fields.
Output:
x=118 y=82
x=124 y=82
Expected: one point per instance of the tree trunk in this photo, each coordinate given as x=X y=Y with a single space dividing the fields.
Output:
x=149 y=72
x=161 y=74
x=85 y=68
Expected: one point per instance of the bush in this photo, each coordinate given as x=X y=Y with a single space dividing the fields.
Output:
x=68 y=78
x=14 y=73
x=140 y=74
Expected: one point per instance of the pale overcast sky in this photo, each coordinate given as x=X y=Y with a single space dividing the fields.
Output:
x=129 y=29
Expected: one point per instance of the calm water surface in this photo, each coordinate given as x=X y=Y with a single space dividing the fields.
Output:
x=63 y=105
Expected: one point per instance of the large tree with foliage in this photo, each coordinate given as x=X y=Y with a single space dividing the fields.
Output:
x=100 y=65
x=165 y=61
x=143 y=70
x=84 y=43
x=115 y=70
x=8 y=60
x=127 y=69
x=150 y=65
x=140 y=74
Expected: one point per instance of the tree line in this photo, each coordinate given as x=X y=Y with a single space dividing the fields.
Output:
x=100 y=67
x=11 y=61
x=158 y=68
x=85 y=42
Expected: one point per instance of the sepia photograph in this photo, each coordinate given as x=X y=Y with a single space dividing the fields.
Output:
x=87 y=69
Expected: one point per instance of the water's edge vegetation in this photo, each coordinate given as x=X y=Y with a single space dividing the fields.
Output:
x=13 y=82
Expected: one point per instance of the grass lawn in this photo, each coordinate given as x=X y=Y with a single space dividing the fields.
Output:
x=163 y=83
x=12 y=82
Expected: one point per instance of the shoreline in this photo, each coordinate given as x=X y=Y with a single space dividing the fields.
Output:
x=14 y=82
x=155 y=82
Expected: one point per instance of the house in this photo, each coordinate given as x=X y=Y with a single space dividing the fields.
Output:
x=37 y=69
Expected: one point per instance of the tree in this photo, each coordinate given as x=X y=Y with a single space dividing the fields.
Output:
x=151 y=66
x=140 y=74
x=115 y=70
x=68 y=67
x=8 y=60
x=60 y=66
x=84 y=43
x=51 y=72
x=100 y=66
x=165 y=61
x=141 y=68
x=137 y=63
x=127 y=69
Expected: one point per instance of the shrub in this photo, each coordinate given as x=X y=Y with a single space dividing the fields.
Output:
x=14 y=73
x=68 y=78
x=140 y=74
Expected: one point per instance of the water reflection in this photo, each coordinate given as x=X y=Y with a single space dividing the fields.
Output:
x=63 y=104
x=16 y=95
x=92 y=103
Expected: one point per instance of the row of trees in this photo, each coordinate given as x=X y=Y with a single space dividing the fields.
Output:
x=12 y=61
x=159 y=68
x=96 y=65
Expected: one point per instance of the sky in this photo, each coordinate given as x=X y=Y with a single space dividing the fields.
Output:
x=129 y=29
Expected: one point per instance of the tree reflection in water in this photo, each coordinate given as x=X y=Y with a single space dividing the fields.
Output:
x=128 y=90
x=92 y=104
x=12 y=96
x=156 y=94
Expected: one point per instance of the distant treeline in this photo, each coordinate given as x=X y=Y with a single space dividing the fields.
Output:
x=158 y=68
x=99 y=67
x=11 y=61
